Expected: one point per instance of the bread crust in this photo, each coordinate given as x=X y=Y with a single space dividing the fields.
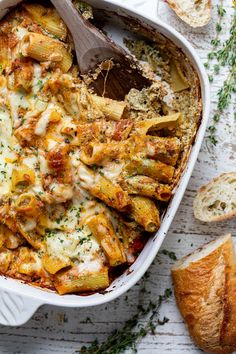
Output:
x=205 y=292
x=193 y=17
x=203 y=191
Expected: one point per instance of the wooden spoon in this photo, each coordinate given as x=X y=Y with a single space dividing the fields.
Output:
x=93 y=47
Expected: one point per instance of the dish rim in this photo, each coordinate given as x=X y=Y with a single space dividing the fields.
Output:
x=34 y=296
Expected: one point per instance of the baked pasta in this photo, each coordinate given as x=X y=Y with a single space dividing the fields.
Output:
x=83 y=179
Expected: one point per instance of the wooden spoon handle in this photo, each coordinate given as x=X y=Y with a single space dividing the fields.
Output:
x=92 y=46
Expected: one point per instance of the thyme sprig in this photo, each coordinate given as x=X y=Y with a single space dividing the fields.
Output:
x=129 y=335
x=170 y=254
x=224 y=56
x=215 y=42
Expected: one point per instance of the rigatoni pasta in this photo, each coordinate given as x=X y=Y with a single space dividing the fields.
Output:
x=27 y=204
x=73 y=282
x=157 y=170
x=23 y=75
x=102 y=188
x=4 y=51
x=111 y=108
x=147 y=187
x=145 y=212
x=43 y=49
x=110 y=243
x=83 y=179
x=48 y=18
x=53 y=264
x=157 y=123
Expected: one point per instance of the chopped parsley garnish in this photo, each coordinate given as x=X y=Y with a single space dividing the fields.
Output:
x=49 y=233
x=40 y=84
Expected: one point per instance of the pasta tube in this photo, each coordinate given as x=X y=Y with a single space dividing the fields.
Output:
x=147 y=187
x=129 y=232
x=22 y=177
x=2 y=236
x=98 y=153
x=31 y=236
x=48 y=18
x=112 y=109
x=53 y=264
x=23 y=75
x=118 y=131
x=178 y=80
x=166 y=150
x=70 y=281
x=27 y=204
x=7 y=216
x=170 y=121
x=145 y=213
x=9 y=239
x=4 y=52
x=44 y=48
x=6 y=258
x=151 y=168
x=163 y=149
x=12 y=239
x=29 y=263
x=103 y=230
x=102 y=188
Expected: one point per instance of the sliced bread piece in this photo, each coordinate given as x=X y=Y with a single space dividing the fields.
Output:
x=205 y=291
x=216 y=200
x=196 y=13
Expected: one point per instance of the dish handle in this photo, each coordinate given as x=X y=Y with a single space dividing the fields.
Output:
x=16 y=310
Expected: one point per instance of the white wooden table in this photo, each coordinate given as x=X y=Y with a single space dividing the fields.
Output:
x=61 y=330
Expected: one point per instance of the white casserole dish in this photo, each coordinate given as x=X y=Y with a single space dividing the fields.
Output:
x=19 y=301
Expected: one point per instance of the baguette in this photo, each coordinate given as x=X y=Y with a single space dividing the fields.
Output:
x=216 y=201
x=196 y=13
x=205 y=291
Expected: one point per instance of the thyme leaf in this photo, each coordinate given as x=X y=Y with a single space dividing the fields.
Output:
x=226 y=55
x=129 y=335
x=216 y=41
x=224 y=98
x=170 y=254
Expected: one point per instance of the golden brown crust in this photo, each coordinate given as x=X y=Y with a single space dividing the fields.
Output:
x=228 y=332
x=205 y=294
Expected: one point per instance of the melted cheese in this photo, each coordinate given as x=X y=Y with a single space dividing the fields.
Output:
x=33 y=266
x=112 y=170
x=43 y=164
x=85 y=177
x=7 y=155
x=41 y=126
x=33 y=162
x=79 y=245
x=37 y=77
x=51 y=143
x=17 y=100
x=20 y=32
x=29 y=225
x=44 y=120
x=61 y=192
